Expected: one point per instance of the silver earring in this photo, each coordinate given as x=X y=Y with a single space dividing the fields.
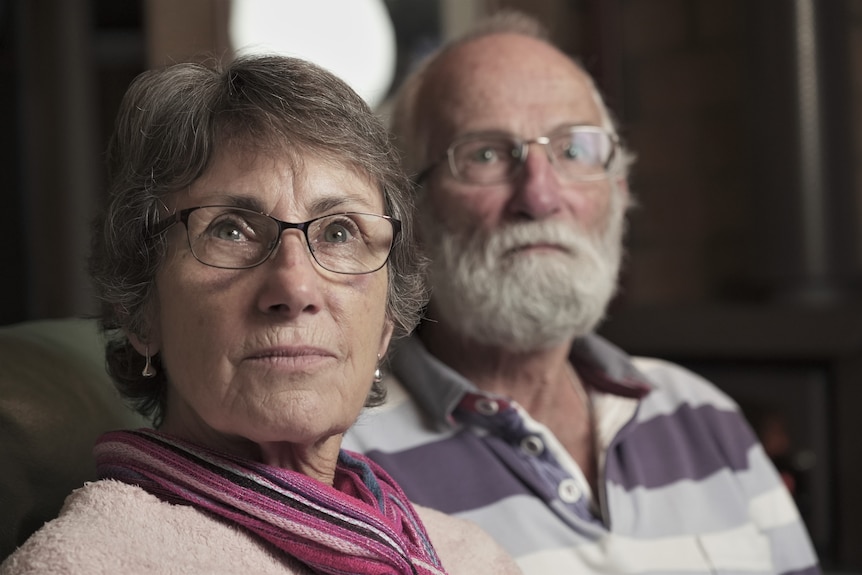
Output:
x=149 y=371
x=378 y=374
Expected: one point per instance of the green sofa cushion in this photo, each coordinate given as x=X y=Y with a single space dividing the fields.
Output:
x=55 y=400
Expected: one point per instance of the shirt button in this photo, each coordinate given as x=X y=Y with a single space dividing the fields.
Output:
x=487 y=406
x=569 y=491
x=533 y=445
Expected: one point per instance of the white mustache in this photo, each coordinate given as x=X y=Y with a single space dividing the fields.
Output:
x=517 y=236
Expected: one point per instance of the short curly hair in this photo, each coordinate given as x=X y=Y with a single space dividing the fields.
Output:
x=169 y=125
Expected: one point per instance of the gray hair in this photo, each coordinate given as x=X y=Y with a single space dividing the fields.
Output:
x=170 y=123
x=410 y=125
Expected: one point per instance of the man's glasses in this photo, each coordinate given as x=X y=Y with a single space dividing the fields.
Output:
x=236 y=238
x=578 y=153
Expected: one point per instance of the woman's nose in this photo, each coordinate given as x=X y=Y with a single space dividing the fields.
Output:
x=292 y=278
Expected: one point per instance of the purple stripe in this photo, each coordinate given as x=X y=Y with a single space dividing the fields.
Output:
x=453 y=475
x=690 y=443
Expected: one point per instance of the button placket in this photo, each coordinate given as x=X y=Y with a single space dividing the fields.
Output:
x=569 y=491
x=533 y=445
x=487 y=406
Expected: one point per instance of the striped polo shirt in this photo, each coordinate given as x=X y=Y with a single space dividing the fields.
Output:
x=684 y=486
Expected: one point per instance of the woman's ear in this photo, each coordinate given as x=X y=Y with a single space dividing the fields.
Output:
x=149 y=344
x=388 y=329
x=143 y=348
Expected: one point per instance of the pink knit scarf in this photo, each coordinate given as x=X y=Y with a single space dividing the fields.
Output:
x=364 y=524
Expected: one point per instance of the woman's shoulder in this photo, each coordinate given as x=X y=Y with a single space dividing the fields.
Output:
x=94 y=519
x=111 y=527
x=464 y=547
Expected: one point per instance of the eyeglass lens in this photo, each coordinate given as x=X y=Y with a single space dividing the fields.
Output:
x=235 y=238
x=577 y=154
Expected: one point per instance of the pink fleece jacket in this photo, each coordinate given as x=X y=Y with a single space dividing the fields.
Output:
x=108 y=527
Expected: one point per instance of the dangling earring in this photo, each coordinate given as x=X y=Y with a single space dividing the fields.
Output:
x=149 y=371
x=378 y=374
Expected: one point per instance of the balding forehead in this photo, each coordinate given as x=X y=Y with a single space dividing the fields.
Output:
x=512 y=67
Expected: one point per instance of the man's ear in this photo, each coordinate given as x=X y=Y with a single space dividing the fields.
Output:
x=621 y=184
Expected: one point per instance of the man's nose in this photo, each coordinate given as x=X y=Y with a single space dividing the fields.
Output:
x=538 y=193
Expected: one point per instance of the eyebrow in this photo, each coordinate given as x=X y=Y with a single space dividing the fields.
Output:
x=245 y=202
x=485 y=134
x=331 y=202
x=319 y=206
x=507 y=134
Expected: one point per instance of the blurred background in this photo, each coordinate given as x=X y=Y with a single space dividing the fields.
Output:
x=745 y=253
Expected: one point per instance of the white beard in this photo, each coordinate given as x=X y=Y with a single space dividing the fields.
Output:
x=530 y=300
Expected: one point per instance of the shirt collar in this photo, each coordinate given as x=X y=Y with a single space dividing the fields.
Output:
x=607 y=368
x=439 y=389
x=435 y=386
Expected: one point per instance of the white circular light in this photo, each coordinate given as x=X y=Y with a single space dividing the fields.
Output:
x=354 y=39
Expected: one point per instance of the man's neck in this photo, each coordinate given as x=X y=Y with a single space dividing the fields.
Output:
x=519 y=375
x=541 y=381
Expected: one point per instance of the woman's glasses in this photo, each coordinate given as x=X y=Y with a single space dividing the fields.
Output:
x=236 y=238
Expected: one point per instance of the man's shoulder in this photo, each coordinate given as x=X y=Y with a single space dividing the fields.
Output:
x=674 y=381
x=399 y=424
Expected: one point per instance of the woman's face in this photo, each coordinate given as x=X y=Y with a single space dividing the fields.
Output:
x=282 y=353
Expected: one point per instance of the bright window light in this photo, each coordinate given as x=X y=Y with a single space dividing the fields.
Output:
x=354 y=39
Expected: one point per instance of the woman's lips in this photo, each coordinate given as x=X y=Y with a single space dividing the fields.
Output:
x=290 y=356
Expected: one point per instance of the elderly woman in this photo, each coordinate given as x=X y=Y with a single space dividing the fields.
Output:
x=254 y=261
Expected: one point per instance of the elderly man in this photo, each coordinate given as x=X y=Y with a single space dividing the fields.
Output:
x=505 y=407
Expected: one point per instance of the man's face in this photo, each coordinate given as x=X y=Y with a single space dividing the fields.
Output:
x=517 y=85
x=529 y=262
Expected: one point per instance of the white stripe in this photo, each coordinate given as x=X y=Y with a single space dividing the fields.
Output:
x=391 y=427
x=741 y=549
x=678 y=386
x=773 y=509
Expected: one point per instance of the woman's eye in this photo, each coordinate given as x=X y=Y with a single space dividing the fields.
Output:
x=232 y=230
x=338 y=232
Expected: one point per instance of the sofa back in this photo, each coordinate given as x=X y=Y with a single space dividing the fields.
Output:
x=55 y=400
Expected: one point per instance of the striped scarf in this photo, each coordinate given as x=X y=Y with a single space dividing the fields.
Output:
x=364 y=524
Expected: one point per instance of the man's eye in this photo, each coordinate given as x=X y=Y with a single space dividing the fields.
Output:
x=574 y=152
x=579 y=148
x=485 y=155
